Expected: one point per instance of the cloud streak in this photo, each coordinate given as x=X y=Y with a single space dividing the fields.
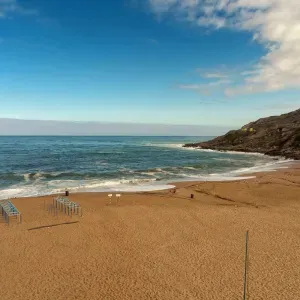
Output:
x=9 y=7
x=214 y=75
x=205 y=88
x=274 y=23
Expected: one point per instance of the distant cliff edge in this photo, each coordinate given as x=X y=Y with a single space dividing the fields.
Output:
x=276 y=136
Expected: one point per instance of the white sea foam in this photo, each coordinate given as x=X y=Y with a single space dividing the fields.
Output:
x=95 y=184
x=27 y=177
x=181 y=146
x=26 y=191
x=39 y=187
x=230 y=152
x=236 y=174
x=222 y=159
x=164 y=145
x=174 y=146
x=267 y=167
x=38 y=176
x=129 y=188
x=77 y=186
x=149 y=173
x=216 y=177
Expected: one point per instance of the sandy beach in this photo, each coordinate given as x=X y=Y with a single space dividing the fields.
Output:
x=159 y=245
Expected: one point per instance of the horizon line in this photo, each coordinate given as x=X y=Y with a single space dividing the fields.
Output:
x=114 y=122
x=103 y=135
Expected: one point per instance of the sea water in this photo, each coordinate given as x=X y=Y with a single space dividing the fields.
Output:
x=31 y=166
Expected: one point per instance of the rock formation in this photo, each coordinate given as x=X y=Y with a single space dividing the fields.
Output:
x=276 y=136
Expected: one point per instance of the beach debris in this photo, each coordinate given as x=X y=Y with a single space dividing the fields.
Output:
x=192 y=196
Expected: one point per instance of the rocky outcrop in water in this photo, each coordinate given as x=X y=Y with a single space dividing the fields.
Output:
x=276 y=136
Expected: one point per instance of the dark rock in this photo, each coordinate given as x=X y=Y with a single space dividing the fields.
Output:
x=275 y=136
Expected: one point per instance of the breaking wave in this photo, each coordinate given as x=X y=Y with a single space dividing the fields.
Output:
x=115 y=164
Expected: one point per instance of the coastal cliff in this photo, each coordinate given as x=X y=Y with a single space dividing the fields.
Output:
x=276 y=136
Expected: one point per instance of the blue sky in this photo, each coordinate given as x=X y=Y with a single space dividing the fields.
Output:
x=151 y=61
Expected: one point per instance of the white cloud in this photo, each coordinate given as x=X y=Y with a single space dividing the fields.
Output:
x=214 y=75
x=205 y=88
x=214 y=21
x=219 y=82
x=161 y=6
x=288 y=106
x=249 y=73
x=152 y=41
x=274 y=23
x=190 y=86
x=8 y=7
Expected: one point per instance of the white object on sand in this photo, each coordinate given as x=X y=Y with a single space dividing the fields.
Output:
x=118 y=197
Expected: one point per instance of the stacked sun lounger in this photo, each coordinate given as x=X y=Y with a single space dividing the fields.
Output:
x=8 y=211
x=67 y=206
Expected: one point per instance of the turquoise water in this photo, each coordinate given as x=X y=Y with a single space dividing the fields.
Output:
x=44 y=165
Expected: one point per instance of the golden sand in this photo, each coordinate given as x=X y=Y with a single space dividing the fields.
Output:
x=159 y=245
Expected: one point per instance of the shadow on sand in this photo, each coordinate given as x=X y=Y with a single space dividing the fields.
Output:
x=54 y=225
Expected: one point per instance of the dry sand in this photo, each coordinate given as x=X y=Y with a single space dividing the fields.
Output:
x=160 y=246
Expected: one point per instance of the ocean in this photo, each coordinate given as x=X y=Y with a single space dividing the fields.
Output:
x=32 y=166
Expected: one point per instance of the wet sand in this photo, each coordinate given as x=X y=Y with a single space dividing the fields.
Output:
x=160 y=245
